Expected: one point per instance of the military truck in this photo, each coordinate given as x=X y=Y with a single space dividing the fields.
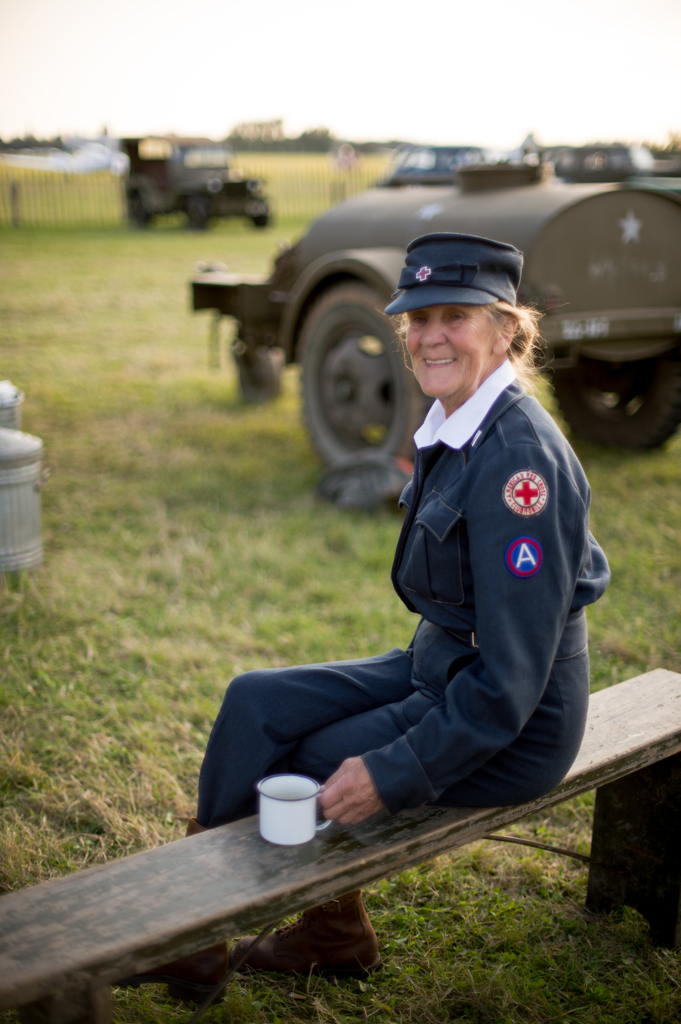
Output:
x=601 y=262
x=601 y=163
x=194 y=176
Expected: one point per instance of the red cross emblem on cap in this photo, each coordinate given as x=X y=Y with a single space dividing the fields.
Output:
x=526 y=493
x=423 y=274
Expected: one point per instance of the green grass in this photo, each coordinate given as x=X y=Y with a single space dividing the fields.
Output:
x=307 y=184
x=296 y=185
x=50 y=198
x=184 y=543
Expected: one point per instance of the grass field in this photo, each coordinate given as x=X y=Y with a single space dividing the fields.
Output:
x=297 y=185
x=47 y=198
x=184 y=543
x=306 y=184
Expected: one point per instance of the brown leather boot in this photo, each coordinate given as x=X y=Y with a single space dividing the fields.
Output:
x=193 y=828
x=192 y=977
x=333 y=938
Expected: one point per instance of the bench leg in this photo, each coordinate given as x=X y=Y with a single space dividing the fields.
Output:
x=637 y=833
x=88 y=1006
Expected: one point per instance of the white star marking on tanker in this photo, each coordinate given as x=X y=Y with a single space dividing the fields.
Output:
x=631 y=228
x=429 y=211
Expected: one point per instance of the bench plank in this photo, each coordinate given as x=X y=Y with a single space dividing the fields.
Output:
x=113 y=920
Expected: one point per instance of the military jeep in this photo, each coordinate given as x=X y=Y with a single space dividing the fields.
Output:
x=601 y=262
x=194 y=176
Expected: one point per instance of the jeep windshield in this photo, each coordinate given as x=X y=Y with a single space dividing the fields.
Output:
x=209 y=157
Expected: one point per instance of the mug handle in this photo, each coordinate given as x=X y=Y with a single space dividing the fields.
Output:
x=324 y=824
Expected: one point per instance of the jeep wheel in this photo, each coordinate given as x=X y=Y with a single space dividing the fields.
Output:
x=357 y=391
x=199 y=211
x=261 y=221
x=633 y=405
x=137 y=211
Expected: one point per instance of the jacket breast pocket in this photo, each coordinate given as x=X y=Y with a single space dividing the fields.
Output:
x=433 y=569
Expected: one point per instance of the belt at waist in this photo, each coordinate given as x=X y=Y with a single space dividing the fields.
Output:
x=440 y=653
x=465 y=637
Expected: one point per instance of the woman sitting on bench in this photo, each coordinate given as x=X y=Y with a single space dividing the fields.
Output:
x=487 y=705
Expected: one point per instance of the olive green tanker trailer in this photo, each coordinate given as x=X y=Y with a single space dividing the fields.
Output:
x=603 y=262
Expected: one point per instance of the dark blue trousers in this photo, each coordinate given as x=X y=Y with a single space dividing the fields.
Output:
x=307 y=719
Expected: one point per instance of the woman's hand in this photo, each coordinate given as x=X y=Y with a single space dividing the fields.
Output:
x=349 y=795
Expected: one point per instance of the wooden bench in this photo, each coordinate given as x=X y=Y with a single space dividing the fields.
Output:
x=64 y=942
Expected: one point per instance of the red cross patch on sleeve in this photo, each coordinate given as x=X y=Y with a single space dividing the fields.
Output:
x=526 y=493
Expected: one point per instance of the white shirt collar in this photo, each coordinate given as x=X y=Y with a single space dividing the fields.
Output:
x=456 y=429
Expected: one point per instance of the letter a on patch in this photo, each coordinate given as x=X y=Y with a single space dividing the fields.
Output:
x=524 y=556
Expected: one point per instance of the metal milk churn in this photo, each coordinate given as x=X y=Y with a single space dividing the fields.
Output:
x=21 y=545
x=11 y=400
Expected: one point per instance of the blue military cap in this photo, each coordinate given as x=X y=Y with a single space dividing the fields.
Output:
x=446 y=268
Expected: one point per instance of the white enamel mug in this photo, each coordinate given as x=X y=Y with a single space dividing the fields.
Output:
x=288 y=809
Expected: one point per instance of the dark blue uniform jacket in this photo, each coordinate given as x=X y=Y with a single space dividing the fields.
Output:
x=501 y=593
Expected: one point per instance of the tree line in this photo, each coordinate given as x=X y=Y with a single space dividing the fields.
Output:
x=270 y=137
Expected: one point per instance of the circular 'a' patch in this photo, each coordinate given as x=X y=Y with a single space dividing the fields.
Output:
x=524 y=556
x=526 y=493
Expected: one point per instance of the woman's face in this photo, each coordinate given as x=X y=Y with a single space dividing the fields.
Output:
x=453 y=350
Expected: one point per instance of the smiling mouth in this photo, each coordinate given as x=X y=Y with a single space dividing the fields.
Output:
x=438 y=362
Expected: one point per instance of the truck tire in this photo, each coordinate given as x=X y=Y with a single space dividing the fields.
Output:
x=137 y=211
x=357 y=391
x=199 y=211
x=261 y=221
x=632 y=405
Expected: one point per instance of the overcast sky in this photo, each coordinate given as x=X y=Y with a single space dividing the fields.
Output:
x=424 y=70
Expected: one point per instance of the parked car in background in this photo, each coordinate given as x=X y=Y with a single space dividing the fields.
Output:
x=431 y=165
x=194 y=176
